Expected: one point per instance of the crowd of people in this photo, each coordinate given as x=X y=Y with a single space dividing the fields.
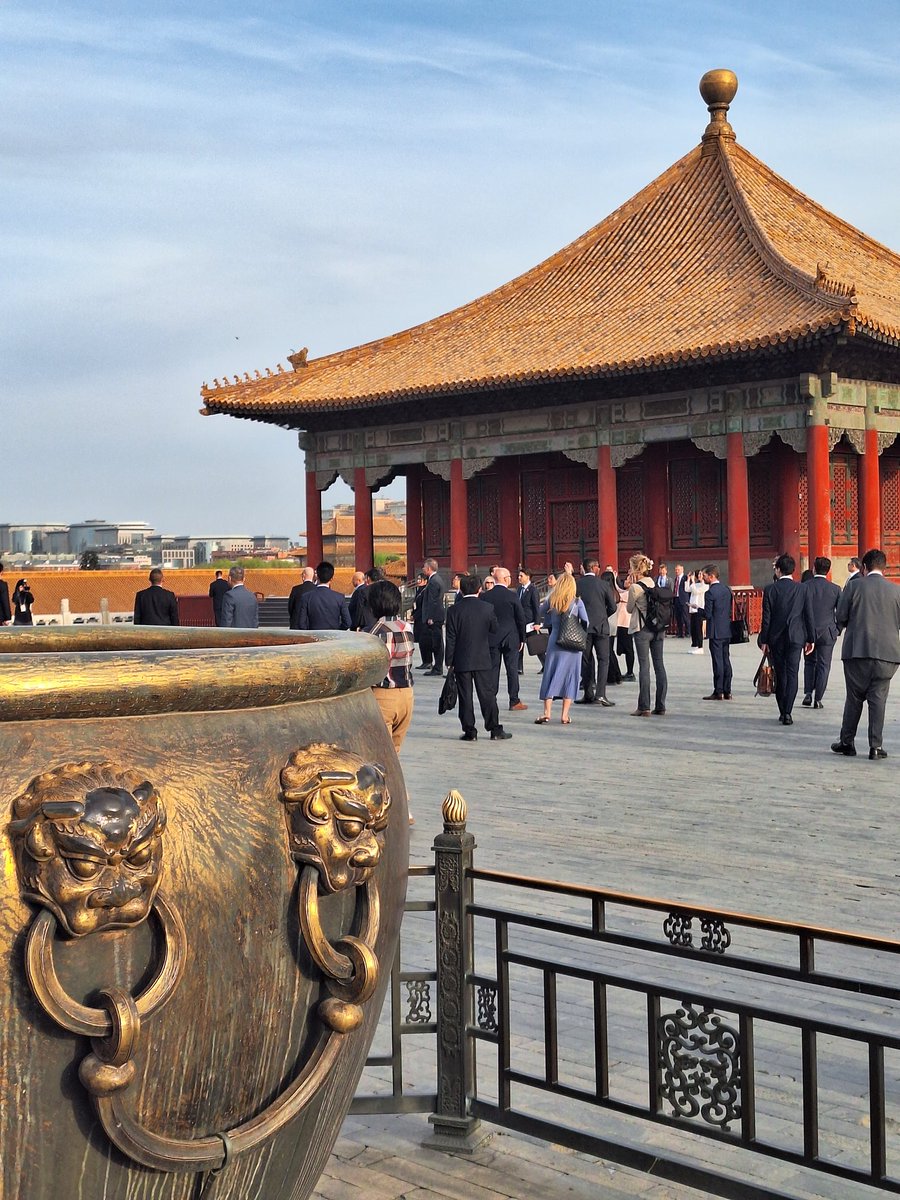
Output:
x=587 y=622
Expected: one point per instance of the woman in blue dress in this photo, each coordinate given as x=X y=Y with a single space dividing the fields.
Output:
x=562 y=668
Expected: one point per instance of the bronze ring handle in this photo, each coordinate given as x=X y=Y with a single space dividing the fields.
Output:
x=96 y=1022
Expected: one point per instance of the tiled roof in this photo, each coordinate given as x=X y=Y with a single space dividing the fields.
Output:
x=716 y=257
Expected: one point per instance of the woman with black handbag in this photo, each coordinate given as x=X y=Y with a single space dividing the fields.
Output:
x=568 y=621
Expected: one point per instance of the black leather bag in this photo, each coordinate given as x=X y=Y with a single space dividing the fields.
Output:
x=572 y=634
x=739 y=632
x=449 y=693
x=536 y=641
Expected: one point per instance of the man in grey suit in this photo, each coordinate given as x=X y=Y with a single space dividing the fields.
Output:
x=817 y=666
x=869 y=612
x=239 y=607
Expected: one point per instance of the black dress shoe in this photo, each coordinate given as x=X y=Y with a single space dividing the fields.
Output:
x=439 y=674
x=787 y=719
x=844 y=748
x=586 y=700
x=818 y=704
x=713 y=696
x=424 y=667
x=629 y=678
x=877 y=752
x=500 y=735
x=726 y=695
x=807 y=701
x=606 y=703
x=469 y=737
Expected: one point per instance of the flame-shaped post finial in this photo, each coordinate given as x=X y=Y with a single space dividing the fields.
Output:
x=454 y=810
x=718 y=88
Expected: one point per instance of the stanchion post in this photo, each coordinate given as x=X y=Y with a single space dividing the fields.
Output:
x=454 y=1128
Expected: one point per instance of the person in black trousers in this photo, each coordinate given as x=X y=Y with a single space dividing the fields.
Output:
x=787 y=629
x=718 y=632
x=817 y=667
x=531 y=607
x=433 y=615
x=598 y=599
x=469 y=627
x=508 y=642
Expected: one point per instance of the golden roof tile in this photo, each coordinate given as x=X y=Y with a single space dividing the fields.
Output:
x=717 y=256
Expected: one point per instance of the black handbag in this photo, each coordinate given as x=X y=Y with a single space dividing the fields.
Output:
x=572 y=634
x=536 y=641
x=449 y=693
x=739 y=632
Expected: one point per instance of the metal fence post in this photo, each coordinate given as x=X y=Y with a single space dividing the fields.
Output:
x=454 y=1128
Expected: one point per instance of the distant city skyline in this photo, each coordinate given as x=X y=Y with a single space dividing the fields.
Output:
x=190 y=191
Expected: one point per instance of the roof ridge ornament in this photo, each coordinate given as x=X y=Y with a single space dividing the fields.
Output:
x=718 y=89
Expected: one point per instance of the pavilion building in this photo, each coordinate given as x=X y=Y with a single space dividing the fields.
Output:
x=711 y=373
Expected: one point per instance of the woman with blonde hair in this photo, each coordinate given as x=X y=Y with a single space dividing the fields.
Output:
x=648 y=642
x=562 y=668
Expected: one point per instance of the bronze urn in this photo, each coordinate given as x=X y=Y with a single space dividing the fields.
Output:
x=204 y=851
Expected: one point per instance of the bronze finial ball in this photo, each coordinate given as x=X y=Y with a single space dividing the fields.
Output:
x=718 y=87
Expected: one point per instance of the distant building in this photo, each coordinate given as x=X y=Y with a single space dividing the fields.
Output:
x=34 y=539
x=339 y=533
x=89 y=534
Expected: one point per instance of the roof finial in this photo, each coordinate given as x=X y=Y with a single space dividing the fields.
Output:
x=718 y=89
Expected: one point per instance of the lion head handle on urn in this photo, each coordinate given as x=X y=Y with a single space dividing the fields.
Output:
x=88 y=845
x=337 y=810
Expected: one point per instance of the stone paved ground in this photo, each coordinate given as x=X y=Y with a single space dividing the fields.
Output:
x=715 y=804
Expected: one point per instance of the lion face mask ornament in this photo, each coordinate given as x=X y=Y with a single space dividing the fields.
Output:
x=337 y=810
x=88 y=843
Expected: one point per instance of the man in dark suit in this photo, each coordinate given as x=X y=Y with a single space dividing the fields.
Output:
x=470 y=625
x=786 y=631
x=217 y=590
x=323 y=608
x=361 y=615
x=298 y=591
x=421 y=633
x=240 y=608
x=155 y=605
x=680 y=600
x=817 y=667
x=433 y=615
x=508 y=641
x=718 y=632
x=5 y=610
x=869 y=614
x=527 y=596
x=601 y=602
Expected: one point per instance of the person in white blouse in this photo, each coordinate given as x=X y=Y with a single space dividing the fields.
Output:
x=697 y=588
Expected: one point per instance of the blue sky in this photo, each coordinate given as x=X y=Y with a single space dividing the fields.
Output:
x=187 y=191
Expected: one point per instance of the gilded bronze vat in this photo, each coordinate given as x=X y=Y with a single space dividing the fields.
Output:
x=204 y=849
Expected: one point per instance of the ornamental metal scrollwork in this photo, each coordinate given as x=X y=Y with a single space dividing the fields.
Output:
x=487 y=1008
x=699 y=1065
x=716 y=935
x=677 y=928
x=418 y=1002
x=88 y=846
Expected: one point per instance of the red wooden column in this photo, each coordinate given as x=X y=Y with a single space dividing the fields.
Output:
x=819 y=484
x=415 y=550
x=459 y=518
x=363 y=533
x=510 y=515
x=789 y=496
x=738 y=513
x=656 y=485
x=869 y=482
x=314 y=550
x=607 y=510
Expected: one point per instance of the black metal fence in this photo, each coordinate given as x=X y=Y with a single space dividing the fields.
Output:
x=585 y=1017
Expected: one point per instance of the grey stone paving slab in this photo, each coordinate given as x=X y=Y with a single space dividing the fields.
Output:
x=716 y=804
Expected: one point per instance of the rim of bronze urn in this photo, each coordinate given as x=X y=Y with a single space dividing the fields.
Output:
x=213 y=717
x=65 y=672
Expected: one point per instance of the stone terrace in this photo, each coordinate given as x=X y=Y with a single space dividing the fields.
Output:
x=716 y=804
